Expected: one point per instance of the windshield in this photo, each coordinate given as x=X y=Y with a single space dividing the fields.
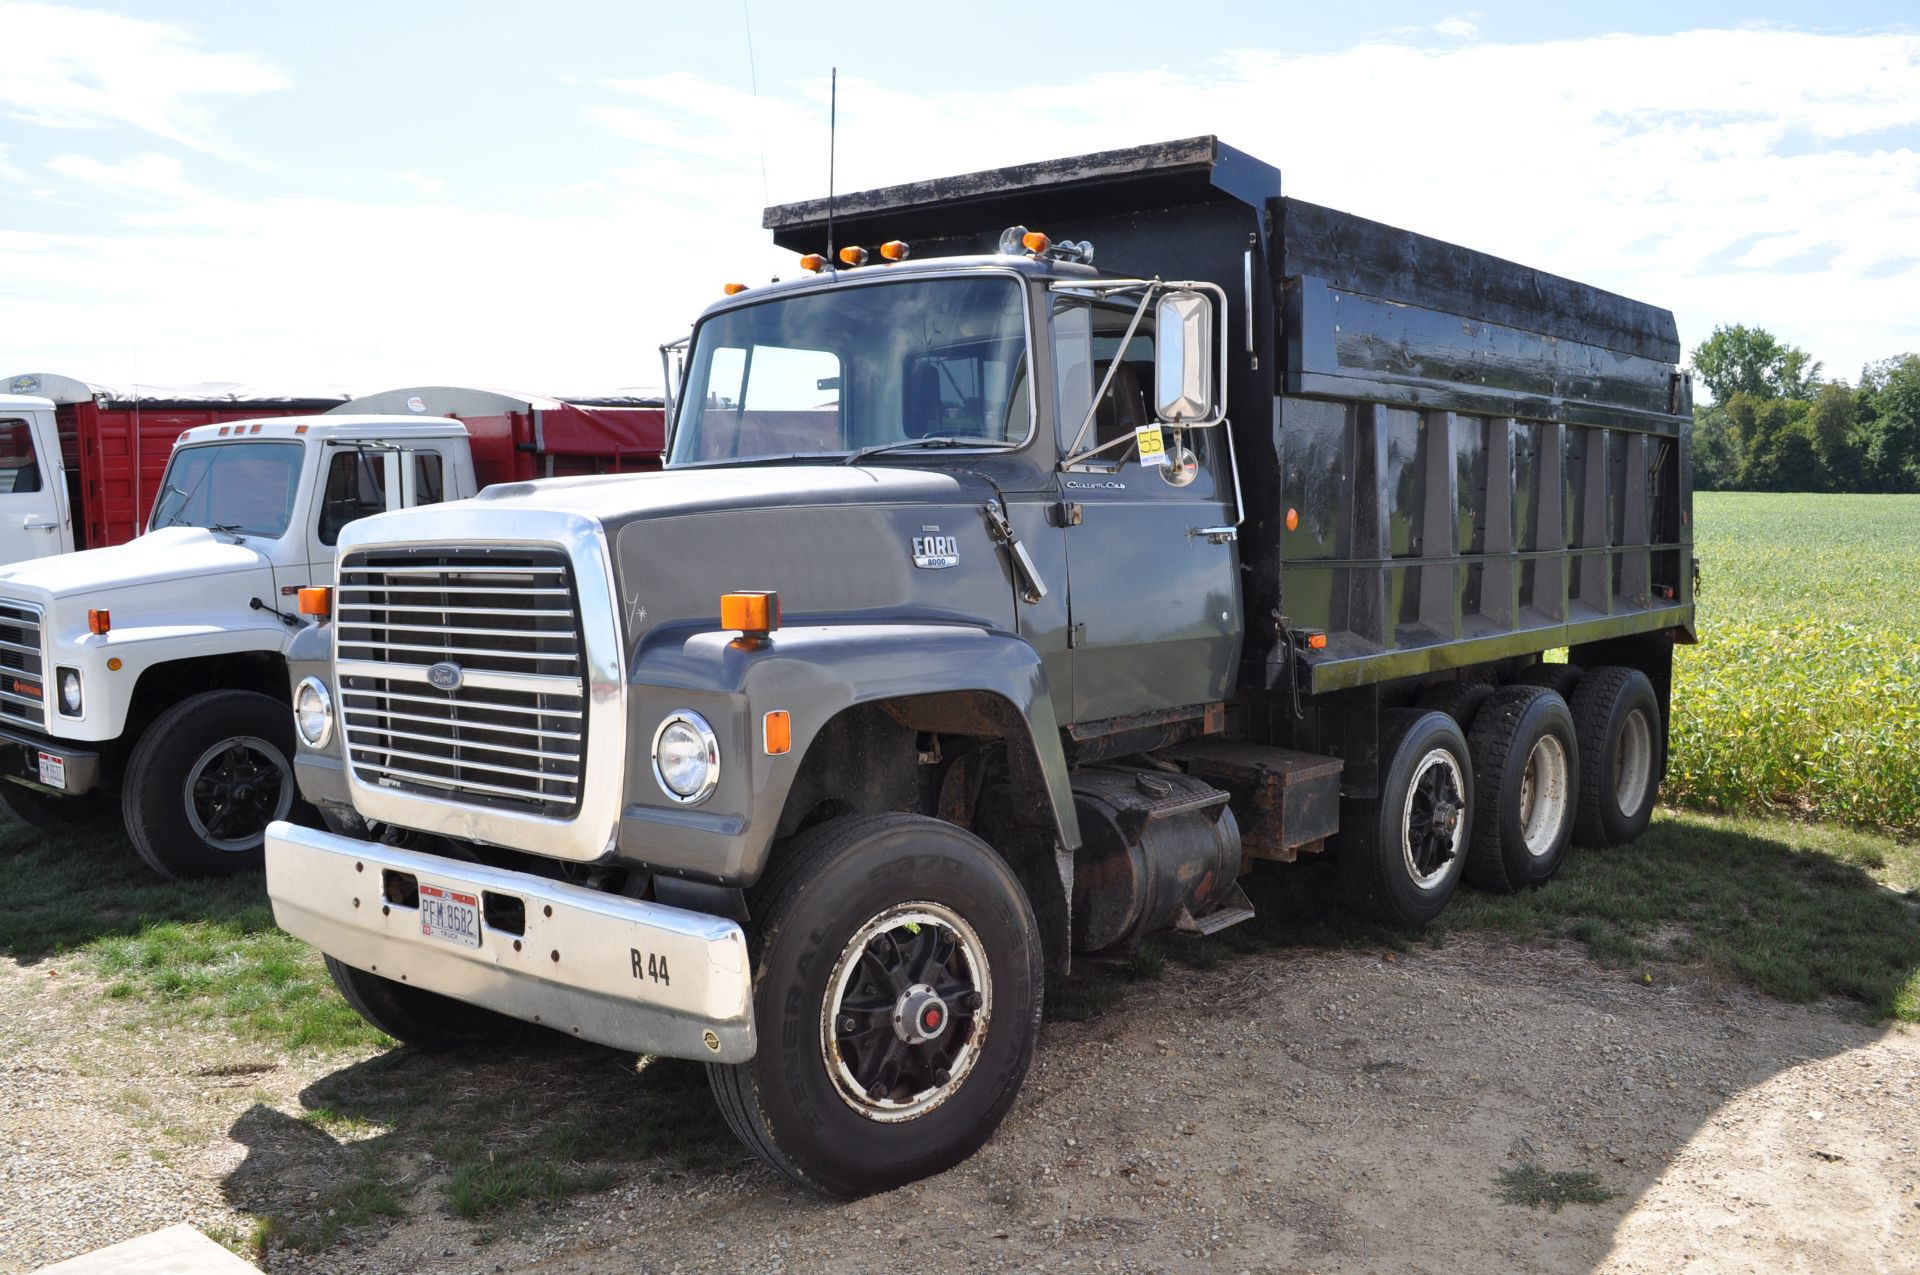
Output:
x=834 y=372
x=240 y=487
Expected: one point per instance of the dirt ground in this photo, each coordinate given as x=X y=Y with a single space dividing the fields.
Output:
x=1295 y=1111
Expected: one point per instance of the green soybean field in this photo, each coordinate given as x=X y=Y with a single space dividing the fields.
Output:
x=1803 y=696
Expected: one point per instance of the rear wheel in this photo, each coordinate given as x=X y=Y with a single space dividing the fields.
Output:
x=415 y=1016
x=1558 y=678
x=1526 y=774
x=1402 y=853
x=1458 y=700
x=205 y=781
x=1622 y=755
x=897 y=988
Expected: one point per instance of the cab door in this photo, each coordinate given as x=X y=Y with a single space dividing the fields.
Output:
x=33 y=514
x=1153 y=568
x=357 y=482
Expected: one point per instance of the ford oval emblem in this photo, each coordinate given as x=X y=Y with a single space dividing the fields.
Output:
x=446 y=675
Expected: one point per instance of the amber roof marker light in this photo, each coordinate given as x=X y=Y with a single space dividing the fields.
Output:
x=896 y=250
x=851 y=255
x=813 y=263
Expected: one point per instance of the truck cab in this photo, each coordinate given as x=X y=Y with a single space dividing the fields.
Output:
x=1062 y=541
x=157 y=666
x=35 y=518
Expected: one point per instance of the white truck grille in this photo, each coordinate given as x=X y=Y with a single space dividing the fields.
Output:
x=23 y=665
x=461 y=674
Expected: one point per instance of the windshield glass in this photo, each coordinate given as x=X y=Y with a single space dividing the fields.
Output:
x=833 y=372
x=240 y=487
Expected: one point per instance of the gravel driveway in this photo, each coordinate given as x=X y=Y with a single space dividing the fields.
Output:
x=1309 y=1111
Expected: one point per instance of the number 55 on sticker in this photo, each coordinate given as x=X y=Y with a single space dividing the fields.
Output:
x=1152 y=444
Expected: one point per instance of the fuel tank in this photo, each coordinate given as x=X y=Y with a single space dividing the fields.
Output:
x=1159 y=851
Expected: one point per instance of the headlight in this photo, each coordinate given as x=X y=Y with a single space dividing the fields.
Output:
x=70 y=692
x=313 y=712
x=686 y=757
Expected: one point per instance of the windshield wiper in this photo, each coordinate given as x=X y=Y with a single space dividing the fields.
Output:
x=904 y=444
x=228 y=529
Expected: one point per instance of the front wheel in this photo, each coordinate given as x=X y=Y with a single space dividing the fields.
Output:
x=415 y=1016
x=205 y=781
x=897 y=995
x=1402 y=852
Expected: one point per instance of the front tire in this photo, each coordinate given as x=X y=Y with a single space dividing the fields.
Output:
x=205 y=781
x=415 y=1016
x=897 y=992
x=1402 y=852
x=1526 y=775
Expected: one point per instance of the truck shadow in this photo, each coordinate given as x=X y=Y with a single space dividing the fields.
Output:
x=1684 y=924
x=62 y=888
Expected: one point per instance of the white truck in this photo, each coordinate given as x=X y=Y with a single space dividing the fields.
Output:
x=158 y=663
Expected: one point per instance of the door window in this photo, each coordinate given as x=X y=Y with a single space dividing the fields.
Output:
x=356 y=488
x=429 y=482
x=19 y=466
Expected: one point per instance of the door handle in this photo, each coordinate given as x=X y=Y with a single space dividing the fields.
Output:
x=41 y=526
x=1216 y=535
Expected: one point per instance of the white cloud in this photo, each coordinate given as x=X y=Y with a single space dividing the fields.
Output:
x=1457 y=27
x=1732 y=175
x=81 y=68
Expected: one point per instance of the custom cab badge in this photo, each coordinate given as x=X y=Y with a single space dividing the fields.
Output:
x=446 y=675
x=933 y=551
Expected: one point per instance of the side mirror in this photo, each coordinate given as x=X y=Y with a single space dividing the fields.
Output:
x=1183 y=359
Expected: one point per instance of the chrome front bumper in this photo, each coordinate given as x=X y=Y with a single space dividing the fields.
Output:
x=626 y=973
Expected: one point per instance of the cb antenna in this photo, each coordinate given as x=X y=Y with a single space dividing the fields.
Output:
x=833 y=128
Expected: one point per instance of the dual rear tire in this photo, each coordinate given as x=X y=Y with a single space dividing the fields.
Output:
x=1494 y=784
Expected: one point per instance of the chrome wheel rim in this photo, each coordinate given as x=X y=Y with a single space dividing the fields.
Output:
x=1432 y=819
x=1633 y=762
x=907 y=1010
x=235 y=789
x=1544 y=788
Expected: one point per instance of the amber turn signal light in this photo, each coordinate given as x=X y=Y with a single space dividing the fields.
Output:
x=853 y=256
x=98 y=622
x=754 y=612
x=813 y=262
x=895 y=250
x=1316 y=641
x=316 y=601
x=777 y=731
x=1034 y=241
x=734 y=289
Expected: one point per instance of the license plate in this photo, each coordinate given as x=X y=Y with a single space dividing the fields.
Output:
x=53 y=771
x=450 y=915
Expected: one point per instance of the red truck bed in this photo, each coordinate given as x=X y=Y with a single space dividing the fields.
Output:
x=517 y=437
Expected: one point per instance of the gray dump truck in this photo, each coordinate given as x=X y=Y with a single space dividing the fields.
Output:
x=1063 y=540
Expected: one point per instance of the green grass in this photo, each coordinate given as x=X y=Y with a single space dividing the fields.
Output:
x=204 y=951
x=1803 y=697
x=1534 y=1187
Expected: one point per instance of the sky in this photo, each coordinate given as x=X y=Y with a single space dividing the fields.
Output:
x=370 y=195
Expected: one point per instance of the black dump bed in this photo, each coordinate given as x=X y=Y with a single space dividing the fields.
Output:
x=1448 y=458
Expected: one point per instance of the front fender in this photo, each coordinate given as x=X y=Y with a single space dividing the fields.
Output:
x=814 y=674
x=138 y=650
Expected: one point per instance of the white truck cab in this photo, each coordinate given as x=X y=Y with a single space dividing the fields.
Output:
x=35 y=521
x=158 y=666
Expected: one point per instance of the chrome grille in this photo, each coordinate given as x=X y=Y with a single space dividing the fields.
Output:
x=512 y=732
x=23 y=665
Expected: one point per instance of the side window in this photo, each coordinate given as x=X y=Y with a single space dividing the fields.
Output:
x=429 y=485
x=356 y=487
x=19 y=467
x=1086 y=338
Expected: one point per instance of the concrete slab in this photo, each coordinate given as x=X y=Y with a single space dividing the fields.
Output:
x=178 y=1250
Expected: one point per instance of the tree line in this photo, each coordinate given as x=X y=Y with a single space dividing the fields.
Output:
x=1775 y=424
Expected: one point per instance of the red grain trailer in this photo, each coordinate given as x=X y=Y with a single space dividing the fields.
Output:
x=516 y=437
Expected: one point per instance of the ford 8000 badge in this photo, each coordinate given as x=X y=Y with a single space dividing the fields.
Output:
x=933 y=552
x=446 y=675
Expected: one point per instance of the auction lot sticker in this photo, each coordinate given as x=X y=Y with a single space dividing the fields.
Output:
x=1152 y=443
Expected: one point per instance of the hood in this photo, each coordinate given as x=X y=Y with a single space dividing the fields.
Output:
x=171 y=554
x=840 y=544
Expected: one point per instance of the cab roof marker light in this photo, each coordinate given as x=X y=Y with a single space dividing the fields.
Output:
x=853 y=255
x=299 y=429
x=813 y=263
x=733 y=289
x=896 y=250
